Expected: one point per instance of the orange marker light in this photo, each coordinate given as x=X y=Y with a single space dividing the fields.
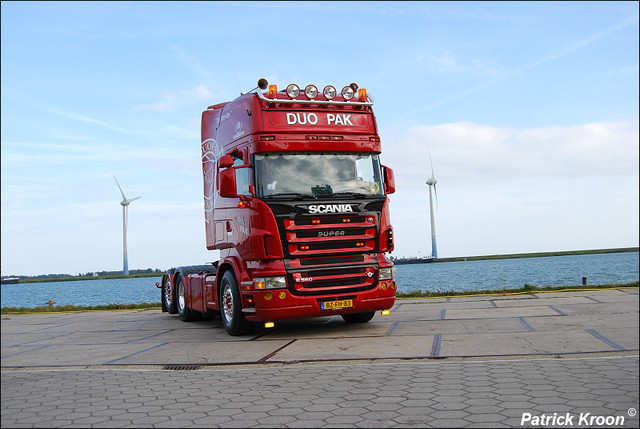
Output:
x=362 y=94
x=273 y=91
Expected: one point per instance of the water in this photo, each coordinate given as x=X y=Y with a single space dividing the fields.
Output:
x=612 y=268
x=82 y=292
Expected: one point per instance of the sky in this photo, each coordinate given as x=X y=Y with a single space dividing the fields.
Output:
x=528 y=112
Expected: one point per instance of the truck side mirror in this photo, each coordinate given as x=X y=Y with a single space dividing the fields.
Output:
x=226 y=161
x=389 y=181
x=227 y=182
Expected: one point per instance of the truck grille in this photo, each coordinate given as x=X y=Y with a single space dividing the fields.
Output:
x=329 y=235
x=331 y=254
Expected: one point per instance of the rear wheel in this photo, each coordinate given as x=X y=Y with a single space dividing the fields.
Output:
x=231 y=306
x=168 y=296
x=185 y=313
x=358 y=317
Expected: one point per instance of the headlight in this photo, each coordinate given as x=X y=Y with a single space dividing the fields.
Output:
x=329 y=92
x=385 y=274
x=348 y=93
x=262 y=283
x=293 y=91
x=311 y=91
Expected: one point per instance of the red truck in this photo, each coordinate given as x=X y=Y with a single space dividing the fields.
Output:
x=295 y=199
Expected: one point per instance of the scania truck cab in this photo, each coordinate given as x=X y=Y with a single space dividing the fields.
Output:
x=296 y=201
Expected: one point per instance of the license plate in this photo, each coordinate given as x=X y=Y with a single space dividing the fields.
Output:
x=333 y=305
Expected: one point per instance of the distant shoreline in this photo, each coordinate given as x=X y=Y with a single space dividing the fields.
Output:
x=403 y=261
x=400 y=261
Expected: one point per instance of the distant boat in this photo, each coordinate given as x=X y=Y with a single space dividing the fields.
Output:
x=403 y=261
x=9 y=280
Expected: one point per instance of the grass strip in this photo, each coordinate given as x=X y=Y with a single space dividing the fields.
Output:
x=527 y=289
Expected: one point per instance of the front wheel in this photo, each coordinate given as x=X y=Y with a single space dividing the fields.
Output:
x=358 y=317
x=231 y=306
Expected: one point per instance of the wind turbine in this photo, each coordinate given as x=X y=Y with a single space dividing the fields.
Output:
x=432 y=183
x=125 y=216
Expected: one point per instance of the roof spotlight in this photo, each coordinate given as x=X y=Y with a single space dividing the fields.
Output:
x=329 y=92
x=348 y=93
x=311 y=91
x=293 y=91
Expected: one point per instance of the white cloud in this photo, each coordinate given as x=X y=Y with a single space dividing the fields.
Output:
x=175 y=100
x=464 y=153
x=503 y=190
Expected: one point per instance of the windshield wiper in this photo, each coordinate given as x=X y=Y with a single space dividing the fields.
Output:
x=349 y=194
x=293 y=195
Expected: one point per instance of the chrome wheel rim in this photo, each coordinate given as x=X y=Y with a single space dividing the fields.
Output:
x=181 y=300
x=227 y=303
x=168 y=292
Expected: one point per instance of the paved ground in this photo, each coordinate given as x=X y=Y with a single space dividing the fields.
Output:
x=460 y=362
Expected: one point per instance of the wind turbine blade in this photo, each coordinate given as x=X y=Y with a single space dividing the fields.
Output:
x=431 y=162
x=435 y=191
x=131 y=200
x=123 y=197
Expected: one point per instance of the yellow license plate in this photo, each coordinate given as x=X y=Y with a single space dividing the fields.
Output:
x=333 y=305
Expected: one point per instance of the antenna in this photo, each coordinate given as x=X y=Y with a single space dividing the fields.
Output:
x=125 y=218
x=241 y=93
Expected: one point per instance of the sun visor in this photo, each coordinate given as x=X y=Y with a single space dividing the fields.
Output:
x=337 y=122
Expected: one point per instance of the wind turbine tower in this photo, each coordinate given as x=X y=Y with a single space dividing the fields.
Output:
x=432 y=183
x=125 y=217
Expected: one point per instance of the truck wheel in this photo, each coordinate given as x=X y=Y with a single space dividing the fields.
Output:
x=231 y=306
x=185 y=313
x=167 y=295
x=358 y=317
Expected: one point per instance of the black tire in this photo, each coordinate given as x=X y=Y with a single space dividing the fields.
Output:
x=358 y=317
x=167 y=294
x=185 y=313
x=231 y=307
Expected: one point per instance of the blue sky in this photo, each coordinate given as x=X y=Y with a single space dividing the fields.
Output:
x=529 y=111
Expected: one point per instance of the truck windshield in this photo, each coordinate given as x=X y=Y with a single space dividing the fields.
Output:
x=286 y=175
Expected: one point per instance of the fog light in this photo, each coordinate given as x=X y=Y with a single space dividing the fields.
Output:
x=385 y=312
x=293 y=91
x=329 y=92
x=268 y=296
x=347 y=93
x=311 y=91
x=282 y=295
x=269 y=324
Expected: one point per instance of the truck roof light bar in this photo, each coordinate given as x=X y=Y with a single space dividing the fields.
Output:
x=329 y=92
